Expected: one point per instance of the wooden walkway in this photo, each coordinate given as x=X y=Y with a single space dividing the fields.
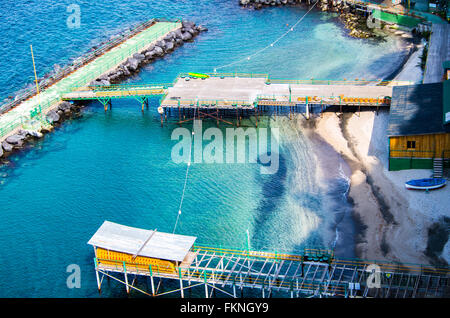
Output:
x=51 y=96
x=438 y=52
x=315 y=273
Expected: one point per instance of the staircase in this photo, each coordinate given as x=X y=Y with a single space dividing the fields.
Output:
x=438 y=167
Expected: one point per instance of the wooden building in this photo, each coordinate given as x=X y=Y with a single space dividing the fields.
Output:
x=132 y=250
x=419 y=126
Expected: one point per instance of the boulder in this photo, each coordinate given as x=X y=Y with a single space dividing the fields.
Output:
x=149 y=55
x=186 y=36
x=179 y=42
x=187 y=24
x=192 y=31
x=64 y=106
x=132 y=64
x=32 y=133
x=125 y=70
x=1 y=151
x=158 y=51
x=169 y=46
x=202 y=28
x=53 y=116
x=7 y=147
x=104 y=83
x=15 y=139
x=178 y=33
x=138 y=56
x=161 y=44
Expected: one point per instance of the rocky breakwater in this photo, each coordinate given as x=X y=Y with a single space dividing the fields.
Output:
x=258 y=4
x=354 y=21
x=54 y=117
x=357 y=25
x=166 y=45
x=66 y=110
x=324 y=5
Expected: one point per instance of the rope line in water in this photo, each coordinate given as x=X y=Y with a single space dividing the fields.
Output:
x=215 y=69
x=270 y=45
x=186 y=177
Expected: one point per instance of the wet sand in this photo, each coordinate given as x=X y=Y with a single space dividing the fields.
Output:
x=395 y=222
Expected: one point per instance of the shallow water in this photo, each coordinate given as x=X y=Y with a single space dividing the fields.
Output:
x=117 y=166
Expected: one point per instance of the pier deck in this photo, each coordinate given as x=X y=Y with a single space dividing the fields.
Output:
x=245 y=91
x=315 y=272
x=85 y=74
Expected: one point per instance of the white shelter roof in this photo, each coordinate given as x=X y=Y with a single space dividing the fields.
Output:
x=130 y=240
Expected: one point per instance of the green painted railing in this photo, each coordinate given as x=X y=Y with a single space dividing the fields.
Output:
x=125 y=87
x=86 y=59
x=235 y=74
x=311 y=81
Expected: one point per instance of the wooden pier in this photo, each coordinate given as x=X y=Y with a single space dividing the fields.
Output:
x=123 y=252
x=237 y=94
x=234 y=91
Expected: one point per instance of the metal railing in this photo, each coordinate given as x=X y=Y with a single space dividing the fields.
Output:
x=83 y=60
x=233 y=74
x=404 y=153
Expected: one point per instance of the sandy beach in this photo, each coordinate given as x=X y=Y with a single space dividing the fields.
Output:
x=395 y=221
x=395 y=224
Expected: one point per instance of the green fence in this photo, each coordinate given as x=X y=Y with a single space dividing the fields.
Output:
x=399 y=19
x=396 y=164
x=92 y=69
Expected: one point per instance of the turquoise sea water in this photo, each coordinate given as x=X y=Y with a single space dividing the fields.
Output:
x=117 y=166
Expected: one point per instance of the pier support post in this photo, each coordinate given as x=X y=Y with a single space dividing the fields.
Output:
x=206 y=285
x=126 y=277
x=99 y=284
x=151 y=280
x=181 y=283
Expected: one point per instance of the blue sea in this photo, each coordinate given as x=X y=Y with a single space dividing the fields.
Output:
x=117 y=165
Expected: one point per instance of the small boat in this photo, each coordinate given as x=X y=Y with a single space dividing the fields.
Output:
x=426 y=184
x=198 y=75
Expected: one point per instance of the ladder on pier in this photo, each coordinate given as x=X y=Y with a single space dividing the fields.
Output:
x=438 y=167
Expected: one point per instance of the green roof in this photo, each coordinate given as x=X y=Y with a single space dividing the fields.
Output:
x=446 y=65
x=417 y=110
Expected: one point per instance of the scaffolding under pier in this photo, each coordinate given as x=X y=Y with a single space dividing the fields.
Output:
x=123 y=252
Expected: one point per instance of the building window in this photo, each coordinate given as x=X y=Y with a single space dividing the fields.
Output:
x=411 y=144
